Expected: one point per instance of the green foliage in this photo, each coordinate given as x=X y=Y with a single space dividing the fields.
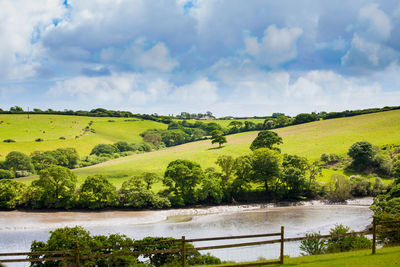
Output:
x=17 y=161
x=58 y=184
x=210 y=191
x=266 y=139
x=346 y=243
x=294 y=182
x=9 y=141
x=97 y=192
x=103 y=149
x=123 y=146
x=360 y=186
x=303 y=118
x=65 y=239
x=217 y=137
x=136 y=193
x=266 y=167
x=6 y=174
x=154 y=139
x=10 y=194
x=339 y=188
x=182 y=177
x=66 y=157
x=362 y=154
x=313 y=246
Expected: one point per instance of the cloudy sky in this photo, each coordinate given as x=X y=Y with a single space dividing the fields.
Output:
x=228 y=57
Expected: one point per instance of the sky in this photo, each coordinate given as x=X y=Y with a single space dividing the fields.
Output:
x=230 y=57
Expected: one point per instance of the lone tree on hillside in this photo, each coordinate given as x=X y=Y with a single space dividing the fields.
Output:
x=362 y=154
x=217 y=137
x=266 y=139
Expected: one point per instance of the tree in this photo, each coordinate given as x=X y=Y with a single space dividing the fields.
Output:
x=152 y=138
x=135 y=193
x=182 y=177
x=103 y=149
x=227 y=164
x=10 y=194
x=235 y=124
x=303 y=118
x=266 y=139
x=6 y=174
x=217 y=137
x=339 y=188
x=17 y=161
x=97 y=192
x=16 y=109
x=58 y=184
x=266 y=167
x=362 y=154
x=123 y=146
x=210 y=189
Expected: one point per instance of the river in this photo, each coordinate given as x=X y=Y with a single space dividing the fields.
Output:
x=18 y=229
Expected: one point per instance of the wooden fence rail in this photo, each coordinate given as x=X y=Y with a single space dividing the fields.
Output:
x=76 y=256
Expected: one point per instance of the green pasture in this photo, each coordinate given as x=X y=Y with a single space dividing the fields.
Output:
x=50 y=128
x=309 y=140
x=383 y=257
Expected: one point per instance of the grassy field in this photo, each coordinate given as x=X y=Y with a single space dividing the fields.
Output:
x=383 y=257
x=310 y=140
x=51 y=127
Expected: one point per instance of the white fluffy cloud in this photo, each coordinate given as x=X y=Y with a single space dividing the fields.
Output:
x=368 y=48
x=21 y=26
x=155 y=58
x=276 y=47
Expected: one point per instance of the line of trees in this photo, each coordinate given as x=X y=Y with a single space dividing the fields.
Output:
x=264 y=174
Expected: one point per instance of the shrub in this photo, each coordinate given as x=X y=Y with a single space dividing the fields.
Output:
x=313 y=246
x=62 y=138
x=10 y=194
x=103 y=149
x=339 y=188
x=346 y=243
x=6 y=174
x=123 y=146
x=360 y=186
x=39 y=140
x=9 y=141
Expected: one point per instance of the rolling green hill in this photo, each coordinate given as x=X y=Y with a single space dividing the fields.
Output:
x=309 y=140
x=51 y=127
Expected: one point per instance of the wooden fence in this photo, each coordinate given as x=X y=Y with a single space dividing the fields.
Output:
x=75 y=256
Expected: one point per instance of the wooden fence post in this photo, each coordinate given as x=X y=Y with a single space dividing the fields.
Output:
x=77 y=262
x=282 y=243
x=183 y=252
x=373 y=235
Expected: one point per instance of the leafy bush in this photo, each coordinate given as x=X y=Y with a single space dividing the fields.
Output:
x=313 y=246
x=10 y=194
x=339 y=188
x=39 y=140
x=9 y=141
x=346 y=243
x=123 y=146
x=360 y=186
x=103 y=149
x=6 y=174
x=97 y=192
x=62 y=138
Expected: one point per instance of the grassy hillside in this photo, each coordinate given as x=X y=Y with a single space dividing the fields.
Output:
x=310 y=140
x=383 y=257
x=51 y=127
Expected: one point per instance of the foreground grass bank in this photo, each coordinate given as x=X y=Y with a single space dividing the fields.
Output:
x=383 y=257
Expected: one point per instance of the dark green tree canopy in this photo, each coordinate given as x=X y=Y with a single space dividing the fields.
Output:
x=103 y=149
x=18 y=161
x=266 y=139
x=97 y=192
x=362 y=154
x=182 y=177
x=58 y=184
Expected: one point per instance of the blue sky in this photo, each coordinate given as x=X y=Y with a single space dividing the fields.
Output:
x=229 y=57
